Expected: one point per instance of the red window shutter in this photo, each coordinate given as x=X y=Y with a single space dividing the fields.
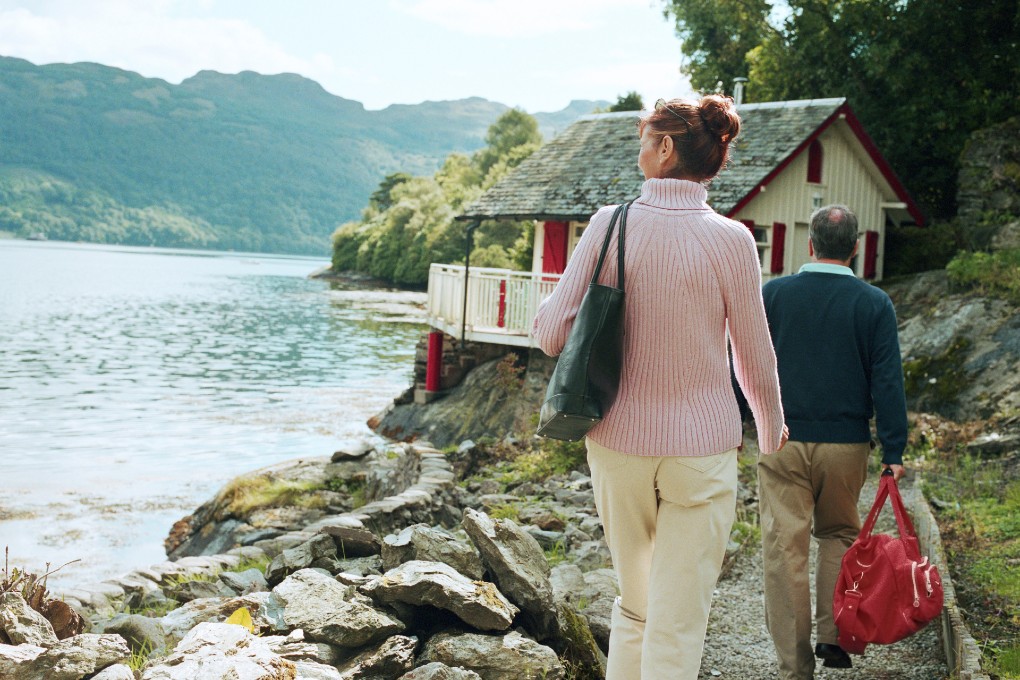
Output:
x=870 y=254
x=814 y=163
x=778 y=247
x=554 y=248
x=750 y=226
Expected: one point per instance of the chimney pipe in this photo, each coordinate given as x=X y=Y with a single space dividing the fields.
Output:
x=738 y=90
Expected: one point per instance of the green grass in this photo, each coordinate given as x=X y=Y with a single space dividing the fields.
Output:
x=244 y=495
x=978 y=510
x=995 y=274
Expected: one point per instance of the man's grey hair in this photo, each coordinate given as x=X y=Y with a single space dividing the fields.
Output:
x=833 y=232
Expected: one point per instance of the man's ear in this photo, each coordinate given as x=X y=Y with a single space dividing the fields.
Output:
x=810 y=248
x=857 y=244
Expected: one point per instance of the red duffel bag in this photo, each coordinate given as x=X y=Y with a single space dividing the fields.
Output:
x=885 y=591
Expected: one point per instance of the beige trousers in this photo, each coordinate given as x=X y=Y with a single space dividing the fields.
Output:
x=667 y=521
x=807 y=489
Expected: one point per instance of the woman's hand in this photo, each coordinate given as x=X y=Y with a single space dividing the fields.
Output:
x=784 y=437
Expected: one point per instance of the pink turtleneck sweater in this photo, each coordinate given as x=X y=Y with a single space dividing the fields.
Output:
x=690 y=273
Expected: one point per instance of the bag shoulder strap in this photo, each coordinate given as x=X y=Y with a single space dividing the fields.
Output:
x=619 y=215
x=887 y=488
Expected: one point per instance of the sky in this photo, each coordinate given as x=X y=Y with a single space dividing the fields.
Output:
x=537 y=55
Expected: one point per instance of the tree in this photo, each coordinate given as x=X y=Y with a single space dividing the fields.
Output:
x=921 y=75
x=513 y=129
x=409 y=221
x=628 y=102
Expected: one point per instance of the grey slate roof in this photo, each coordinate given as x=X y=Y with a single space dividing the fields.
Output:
x=594 y=163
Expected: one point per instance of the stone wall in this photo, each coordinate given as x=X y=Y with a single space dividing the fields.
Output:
x=988 y=195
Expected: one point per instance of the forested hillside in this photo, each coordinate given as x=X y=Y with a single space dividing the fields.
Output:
x=243 y=162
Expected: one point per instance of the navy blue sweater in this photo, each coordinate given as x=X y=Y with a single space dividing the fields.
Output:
x=838 y=356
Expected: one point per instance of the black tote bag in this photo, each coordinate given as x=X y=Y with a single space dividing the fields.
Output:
x=584 y=382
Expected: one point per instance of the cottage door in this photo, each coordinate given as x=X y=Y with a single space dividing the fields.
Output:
x=554 y=248
x=799 y=246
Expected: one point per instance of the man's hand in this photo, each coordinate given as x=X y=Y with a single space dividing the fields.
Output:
x=897 y=470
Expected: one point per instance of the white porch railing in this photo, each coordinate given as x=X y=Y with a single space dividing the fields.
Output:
x=501 y=303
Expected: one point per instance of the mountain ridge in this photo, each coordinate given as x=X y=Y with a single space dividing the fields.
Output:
x=246 y=161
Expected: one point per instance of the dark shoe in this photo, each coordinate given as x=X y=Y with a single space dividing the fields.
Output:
x=833 y=656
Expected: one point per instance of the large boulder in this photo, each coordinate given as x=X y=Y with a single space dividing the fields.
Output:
x=221 y=650
x=518 y=566
x=22 y=624
x=422 y=542
x=332 y=613
x=71 y=659
x=482 y=405
x=961 y=352
x=494 y=657
x=477 y=603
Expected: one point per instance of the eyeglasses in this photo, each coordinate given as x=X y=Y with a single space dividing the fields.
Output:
x=661 y=104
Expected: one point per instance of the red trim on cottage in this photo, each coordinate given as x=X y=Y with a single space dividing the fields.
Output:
x=869 y=146
x=814 y=163
x=870 y=254
x=554 y=248
x=778 y=247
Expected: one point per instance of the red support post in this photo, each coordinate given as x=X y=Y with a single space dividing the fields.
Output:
x=434 y=365
x=501 y=321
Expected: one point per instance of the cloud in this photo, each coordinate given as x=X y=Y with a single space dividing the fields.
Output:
x=146 y=38
x=517 y=19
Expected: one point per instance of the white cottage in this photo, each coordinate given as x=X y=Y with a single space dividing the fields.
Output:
x=790 y=158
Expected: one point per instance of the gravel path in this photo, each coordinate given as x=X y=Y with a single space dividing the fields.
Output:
x=739 y=647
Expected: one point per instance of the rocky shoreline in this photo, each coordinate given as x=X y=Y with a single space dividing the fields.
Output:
x=443 y=570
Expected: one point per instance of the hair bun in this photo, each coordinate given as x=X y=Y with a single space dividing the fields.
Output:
x=720 y=116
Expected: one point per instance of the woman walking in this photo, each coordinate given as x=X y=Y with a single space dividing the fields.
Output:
x=664 y=458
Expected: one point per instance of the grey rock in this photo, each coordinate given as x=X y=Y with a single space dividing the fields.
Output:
x=422 y=542
x=244 y=582
x=567 y=582
x=116 y=672
x=22 y=624
x=477 y=603
x=494 y=657
x=439 y=671
x=352 y=541
x=221 y=650
x=140 y=632
x=13 y=657
x=73 y=658
x=392 y=658
x=265 y=609
x=361 y=566
x=187 y=591
x=309 y=670
x=518 y=566
x=302 y=556
x=332 y=613
x=355 y=450
x=295 y=648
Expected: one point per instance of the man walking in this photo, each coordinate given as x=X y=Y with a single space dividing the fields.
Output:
x=838 y=356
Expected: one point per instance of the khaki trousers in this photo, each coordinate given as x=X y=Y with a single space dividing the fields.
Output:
x=667 y=521
x=807 y=489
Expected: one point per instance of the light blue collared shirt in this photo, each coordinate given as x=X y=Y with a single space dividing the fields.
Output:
x=826 y=268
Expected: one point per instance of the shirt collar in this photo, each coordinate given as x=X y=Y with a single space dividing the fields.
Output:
x=826 y=268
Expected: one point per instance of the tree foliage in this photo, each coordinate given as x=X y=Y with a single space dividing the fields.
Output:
x=921 y=74
x=628 y=102
x=409 y=222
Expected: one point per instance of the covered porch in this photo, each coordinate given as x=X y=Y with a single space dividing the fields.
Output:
x=498 y=308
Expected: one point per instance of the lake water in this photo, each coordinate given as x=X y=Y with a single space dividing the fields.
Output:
x=135 y=382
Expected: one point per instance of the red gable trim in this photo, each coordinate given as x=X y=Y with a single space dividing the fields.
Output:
x=868 y=145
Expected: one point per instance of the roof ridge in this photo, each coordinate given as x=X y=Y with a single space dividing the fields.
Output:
x=793 y=104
